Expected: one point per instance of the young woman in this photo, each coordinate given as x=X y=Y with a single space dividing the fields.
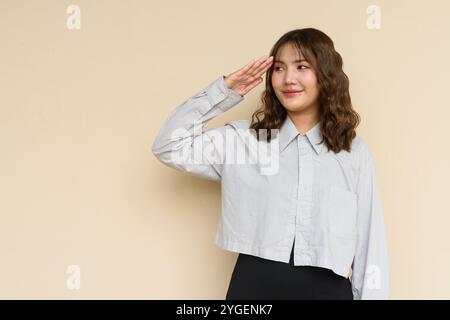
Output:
x=307 y=220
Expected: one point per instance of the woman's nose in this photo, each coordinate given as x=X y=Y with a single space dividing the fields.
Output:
x=289 y=80
x=289 y=77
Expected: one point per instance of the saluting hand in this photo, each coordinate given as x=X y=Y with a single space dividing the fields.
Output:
x=249 y=76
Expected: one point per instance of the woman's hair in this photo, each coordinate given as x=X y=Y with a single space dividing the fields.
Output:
x=337 y=117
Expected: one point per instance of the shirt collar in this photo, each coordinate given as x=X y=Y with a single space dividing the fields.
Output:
x=288 y=132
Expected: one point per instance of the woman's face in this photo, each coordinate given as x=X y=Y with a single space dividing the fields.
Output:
x=292 y=75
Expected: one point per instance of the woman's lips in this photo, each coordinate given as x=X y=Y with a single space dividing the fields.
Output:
x=292 y=93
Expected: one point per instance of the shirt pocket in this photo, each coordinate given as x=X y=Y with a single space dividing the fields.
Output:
x=341 y=212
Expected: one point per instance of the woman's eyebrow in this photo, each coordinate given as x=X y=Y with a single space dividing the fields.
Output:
x=298 y=60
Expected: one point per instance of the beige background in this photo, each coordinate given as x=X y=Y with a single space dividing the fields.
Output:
x=79 y=110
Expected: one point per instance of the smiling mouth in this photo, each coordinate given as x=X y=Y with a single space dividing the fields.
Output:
x=292 y=93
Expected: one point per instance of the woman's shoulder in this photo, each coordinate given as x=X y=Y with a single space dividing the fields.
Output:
x=361 y=151
x=358 y=143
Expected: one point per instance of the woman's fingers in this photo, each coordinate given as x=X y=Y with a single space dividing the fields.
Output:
x=255 y=69
x=247 y=68
x=258 y=64
x=254 y=83
x=250 y=67
x=261 y=66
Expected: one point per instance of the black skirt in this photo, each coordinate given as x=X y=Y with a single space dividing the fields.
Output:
x=256 y=278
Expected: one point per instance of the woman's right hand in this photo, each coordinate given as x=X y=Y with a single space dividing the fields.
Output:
x=249 y=76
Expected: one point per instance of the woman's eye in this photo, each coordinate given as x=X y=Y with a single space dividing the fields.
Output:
x=276 y=68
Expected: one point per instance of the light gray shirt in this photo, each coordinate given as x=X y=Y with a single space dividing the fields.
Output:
x=290 y=188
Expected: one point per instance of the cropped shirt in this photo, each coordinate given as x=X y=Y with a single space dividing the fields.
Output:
x=291 y=188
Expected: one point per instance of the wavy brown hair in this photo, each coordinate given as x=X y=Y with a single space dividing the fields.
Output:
x=337 y=117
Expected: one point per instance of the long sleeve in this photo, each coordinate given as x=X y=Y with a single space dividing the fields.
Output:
x=370 y=278
x=181 y=142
